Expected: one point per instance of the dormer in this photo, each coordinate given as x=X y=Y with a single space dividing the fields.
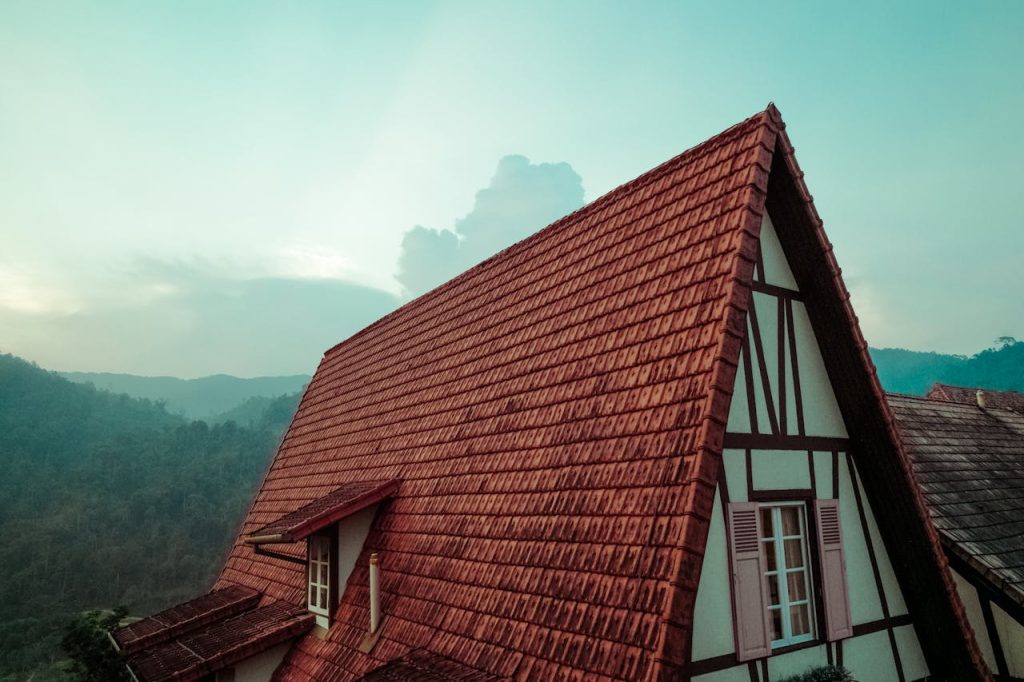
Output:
x=334 y=529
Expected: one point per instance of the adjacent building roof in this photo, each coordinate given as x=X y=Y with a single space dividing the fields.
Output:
x=556 y=415
x=322 y=512
x=969 y=462
x=206 y=634
x=1007 y=400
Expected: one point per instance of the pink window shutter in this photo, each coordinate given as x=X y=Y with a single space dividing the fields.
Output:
x=833 y=571
x=749 y=592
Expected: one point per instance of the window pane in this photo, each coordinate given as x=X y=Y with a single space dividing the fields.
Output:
x=794 y=554
x=776 y=617
x=797 y=586
x=312 y=595
x=773 y=589
x=790 y=520
x=799 y=620
x=769 y=555
x=766 y=522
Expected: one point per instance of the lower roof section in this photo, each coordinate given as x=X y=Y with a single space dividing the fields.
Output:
x=191 y=615
x=189 y=649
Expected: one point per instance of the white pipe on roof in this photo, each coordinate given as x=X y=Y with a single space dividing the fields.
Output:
x=374 y=594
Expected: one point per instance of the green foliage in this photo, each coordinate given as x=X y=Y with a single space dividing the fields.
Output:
x=825 y=673
x=106 y=499
x=87 y=643
x=1000 y=368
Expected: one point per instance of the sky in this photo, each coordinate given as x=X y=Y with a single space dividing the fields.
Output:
x=189 y=188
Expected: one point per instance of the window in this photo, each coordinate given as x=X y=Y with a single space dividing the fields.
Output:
x=319 y=577
x=772 y=580
x=784 y=540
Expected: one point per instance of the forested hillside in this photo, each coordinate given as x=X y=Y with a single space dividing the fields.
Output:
x=904 y=371
x=106 y=499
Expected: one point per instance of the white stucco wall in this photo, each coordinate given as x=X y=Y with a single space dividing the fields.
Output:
x=712 y=608
x=1011 y=634
x=261 y=667
x=972 y=605
x=352 y=532
x=780 y=469
x=1009 y=631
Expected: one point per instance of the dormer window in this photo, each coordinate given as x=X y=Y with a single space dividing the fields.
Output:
x=319 y=558
x=334 y=527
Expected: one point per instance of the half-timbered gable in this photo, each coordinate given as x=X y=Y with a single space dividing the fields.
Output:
x=825 y=591
x=589 y=456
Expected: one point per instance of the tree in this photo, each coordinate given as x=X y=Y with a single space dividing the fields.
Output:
x=87 y=643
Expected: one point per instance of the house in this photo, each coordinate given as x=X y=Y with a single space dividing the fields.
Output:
x=967 y=448
x=646 y=443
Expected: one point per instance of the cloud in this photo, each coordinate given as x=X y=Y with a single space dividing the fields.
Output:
x=186 y=319
x=521 y=199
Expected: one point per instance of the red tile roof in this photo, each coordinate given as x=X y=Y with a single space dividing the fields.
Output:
x=556 y=416
x=160 y=627
x=423 y=666
x=1007 y=400
x=322 y=512
x=194 y=654
x=970 y=465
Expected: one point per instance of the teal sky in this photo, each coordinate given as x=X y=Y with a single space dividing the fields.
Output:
x=174 y=176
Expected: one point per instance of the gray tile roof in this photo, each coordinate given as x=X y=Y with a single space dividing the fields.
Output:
x=969 y=462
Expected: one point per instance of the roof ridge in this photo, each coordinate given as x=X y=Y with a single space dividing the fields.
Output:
x=979 y=388
x=716 y=405
x=923 y=398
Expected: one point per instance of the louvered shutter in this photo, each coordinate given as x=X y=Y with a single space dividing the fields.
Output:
x=833 y=571
x=749 y=593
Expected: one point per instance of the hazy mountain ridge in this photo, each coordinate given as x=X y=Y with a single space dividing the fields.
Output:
x=1000 y=368
x=202 y=398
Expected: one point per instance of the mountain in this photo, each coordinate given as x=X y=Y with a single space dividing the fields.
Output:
x=107 y=499
x=904 y=371
x=202 y=398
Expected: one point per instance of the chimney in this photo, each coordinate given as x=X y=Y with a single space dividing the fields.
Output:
x=980 y=397
x=374 y=594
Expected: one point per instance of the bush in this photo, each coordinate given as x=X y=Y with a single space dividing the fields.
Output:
x=93 y=656
x=826 y=673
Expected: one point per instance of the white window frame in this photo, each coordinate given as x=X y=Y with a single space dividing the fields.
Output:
x=782 y=572
x=319 y=552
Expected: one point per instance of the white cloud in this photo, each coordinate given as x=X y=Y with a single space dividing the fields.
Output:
x=521 y=199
